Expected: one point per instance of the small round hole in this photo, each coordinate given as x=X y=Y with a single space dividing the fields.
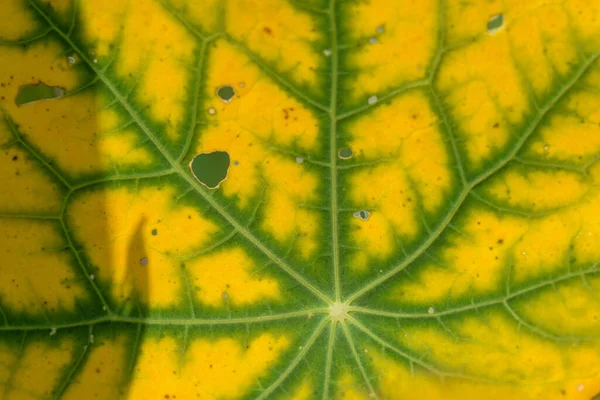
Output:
x=345 y=153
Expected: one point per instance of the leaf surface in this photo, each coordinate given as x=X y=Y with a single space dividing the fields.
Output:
x=407 y=201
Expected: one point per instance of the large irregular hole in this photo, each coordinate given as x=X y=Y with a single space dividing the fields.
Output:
x=495 y=23
x=211 y=168
x=226 y=93
x=32 y=93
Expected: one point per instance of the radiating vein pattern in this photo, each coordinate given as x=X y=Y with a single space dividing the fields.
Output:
x=410 y=207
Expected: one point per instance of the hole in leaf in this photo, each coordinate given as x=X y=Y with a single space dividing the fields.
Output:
x=154 y=232
x=32 y=93
x=495 y=23
x=211 y=168
x=144 y=261
x=345 y=153
x=362 y=214
x=226 y=93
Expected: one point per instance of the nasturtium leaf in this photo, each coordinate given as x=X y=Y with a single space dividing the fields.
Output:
x=404 y=199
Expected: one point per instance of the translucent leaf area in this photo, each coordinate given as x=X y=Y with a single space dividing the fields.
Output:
x=299 y=199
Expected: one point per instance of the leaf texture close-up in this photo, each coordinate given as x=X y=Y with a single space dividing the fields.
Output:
x=299 y=199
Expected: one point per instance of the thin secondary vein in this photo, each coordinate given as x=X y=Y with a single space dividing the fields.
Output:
x=478 y=305
x=169 y=322
x=290 y=368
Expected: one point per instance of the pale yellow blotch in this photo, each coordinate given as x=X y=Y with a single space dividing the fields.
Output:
x=567 y=235
x=586 y=243
x=40 y=273
x=484 y=91
x=468 y=19
x=472 y=263
x=36 y=372
x=8 y=358
x=584 y=20
x=376 y=238
x=289 y=187
x=208 y=14
x=63 y=8
x=539 y=34
x=397 y=382
x=26 y=187
x=280 y=34
x=495 y=348
x=157 y=50
x=305 y=391
x=484 y=132
x=123 y=149
x=575 y=308
x=6 y=135
x=545 y=247
x=101 y=24
x=261 y=118
x=573 y=137
x=119 y=146
x=69 y=130
x=538 y=190
x=405 y=40
x=103 y=373
x=210 y=369
x=405 y=135
x=227 y=278
x=260 y=107
x=37 y=62
x=386 y=192
x=22 y=23
x=347 y=388
x=115 y=227
x=542 y=45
